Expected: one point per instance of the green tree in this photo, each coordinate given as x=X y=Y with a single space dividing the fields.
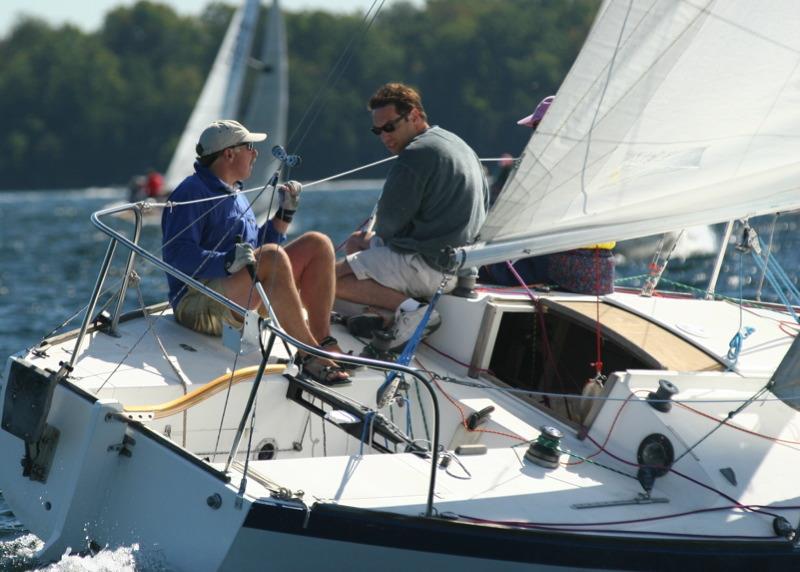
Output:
x=86 y=109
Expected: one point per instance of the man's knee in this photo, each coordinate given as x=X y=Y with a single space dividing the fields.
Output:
x=271 y=258
x=268 y=249
x=318 y=242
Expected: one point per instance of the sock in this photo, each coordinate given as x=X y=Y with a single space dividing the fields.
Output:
x=409 y=305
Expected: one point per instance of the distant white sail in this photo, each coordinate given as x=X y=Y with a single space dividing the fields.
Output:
x=676 y=113
x=268 y=105
x=221 y=92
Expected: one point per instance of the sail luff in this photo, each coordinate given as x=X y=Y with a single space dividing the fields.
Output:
x=671 y=107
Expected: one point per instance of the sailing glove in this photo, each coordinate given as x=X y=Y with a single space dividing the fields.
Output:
x=289 y=199
x=238 y=257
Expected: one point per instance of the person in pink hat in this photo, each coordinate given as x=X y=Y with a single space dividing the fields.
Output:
x=588 y=270
x=536 y=117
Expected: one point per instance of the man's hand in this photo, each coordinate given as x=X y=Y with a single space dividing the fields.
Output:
x=239 y=256
x=358 y=241
x=289 y=196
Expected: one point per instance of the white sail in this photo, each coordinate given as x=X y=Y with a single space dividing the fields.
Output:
x=268 y=106
x=676 y=113
x=220 y=96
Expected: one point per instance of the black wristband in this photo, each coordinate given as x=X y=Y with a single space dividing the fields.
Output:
x=285 y=215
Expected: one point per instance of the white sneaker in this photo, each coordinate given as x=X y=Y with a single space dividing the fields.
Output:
x=405 y=324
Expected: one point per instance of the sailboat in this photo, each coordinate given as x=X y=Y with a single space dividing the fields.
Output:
x=263 y=108
x=493 y=450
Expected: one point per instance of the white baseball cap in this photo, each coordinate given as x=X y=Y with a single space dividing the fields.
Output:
x=223 y=134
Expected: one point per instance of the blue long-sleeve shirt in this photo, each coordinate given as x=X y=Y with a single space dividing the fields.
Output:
x=197 y=237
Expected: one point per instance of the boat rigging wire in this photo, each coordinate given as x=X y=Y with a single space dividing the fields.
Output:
x=83 y=309
x=185 y=383
x=769 y=252
x=656 y=267
x=336 y=72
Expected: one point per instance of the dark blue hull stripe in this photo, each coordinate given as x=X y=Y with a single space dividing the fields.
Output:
x=345 y=524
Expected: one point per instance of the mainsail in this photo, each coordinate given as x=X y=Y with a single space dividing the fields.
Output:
x=676 y=113
x=221 y=92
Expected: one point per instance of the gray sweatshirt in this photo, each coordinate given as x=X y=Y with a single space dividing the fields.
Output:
x=435 y=195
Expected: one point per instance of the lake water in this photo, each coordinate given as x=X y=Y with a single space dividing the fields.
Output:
x=50 y=255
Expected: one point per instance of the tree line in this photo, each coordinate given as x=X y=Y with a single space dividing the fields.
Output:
x=83 y=109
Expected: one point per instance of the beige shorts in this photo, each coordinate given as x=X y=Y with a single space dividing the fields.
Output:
x=202 y=313
x=404 y=272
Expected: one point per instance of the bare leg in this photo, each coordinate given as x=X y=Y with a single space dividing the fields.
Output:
x=275 y=274
x=312 y=259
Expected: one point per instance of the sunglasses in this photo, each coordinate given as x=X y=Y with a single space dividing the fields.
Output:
x=250 y=146
x=389 y=126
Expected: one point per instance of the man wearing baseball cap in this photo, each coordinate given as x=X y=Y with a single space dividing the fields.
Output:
x=211 y=234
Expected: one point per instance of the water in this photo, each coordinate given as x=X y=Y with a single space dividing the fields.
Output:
x=50 y=255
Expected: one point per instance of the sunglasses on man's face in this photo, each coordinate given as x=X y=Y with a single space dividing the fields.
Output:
x=389 y=126
x=249 y=145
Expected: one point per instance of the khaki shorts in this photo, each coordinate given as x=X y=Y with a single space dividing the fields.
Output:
x=202 y=313
x=404 y=272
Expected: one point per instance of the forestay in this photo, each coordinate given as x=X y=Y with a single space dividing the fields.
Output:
x=220 y=96
x=676 y=113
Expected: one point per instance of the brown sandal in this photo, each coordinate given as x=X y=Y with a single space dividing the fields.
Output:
x=313 y=368
x=329 y=341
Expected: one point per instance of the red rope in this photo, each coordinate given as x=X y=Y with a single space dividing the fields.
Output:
x=598 y=364
x=738 y=428
x=451 y=358
x=461 y=411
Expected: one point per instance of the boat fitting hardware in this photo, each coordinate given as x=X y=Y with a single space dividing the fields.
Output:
x=729 y=475
x=28 y=398
x=214 y=501
x=545 y=450
x=478 y=418
x=655 y=456
x=471 y=449
x=661 y=399
x=124 y=448
x=103 y=322
x=783 y=528
x=639 y=499
x=39 y=455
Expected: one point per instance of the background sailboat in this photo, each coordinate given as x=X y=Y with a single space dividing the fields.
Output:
x=223 y=94
x=268 y=106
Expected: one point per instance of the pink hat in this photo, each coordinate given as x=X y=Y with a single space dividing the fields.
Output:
x=534 y=118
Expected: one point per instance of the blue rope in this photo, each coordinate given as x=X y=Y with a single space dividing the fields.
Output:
x=364 y=429
x=779 y=281
x=735 y=345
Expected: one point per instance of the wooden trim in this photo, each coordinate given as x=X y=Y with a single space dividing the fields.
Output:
x=200 y=394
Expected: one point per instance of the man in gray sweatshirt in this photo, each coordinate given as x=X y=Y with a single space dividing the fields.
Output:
x=435 y=196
